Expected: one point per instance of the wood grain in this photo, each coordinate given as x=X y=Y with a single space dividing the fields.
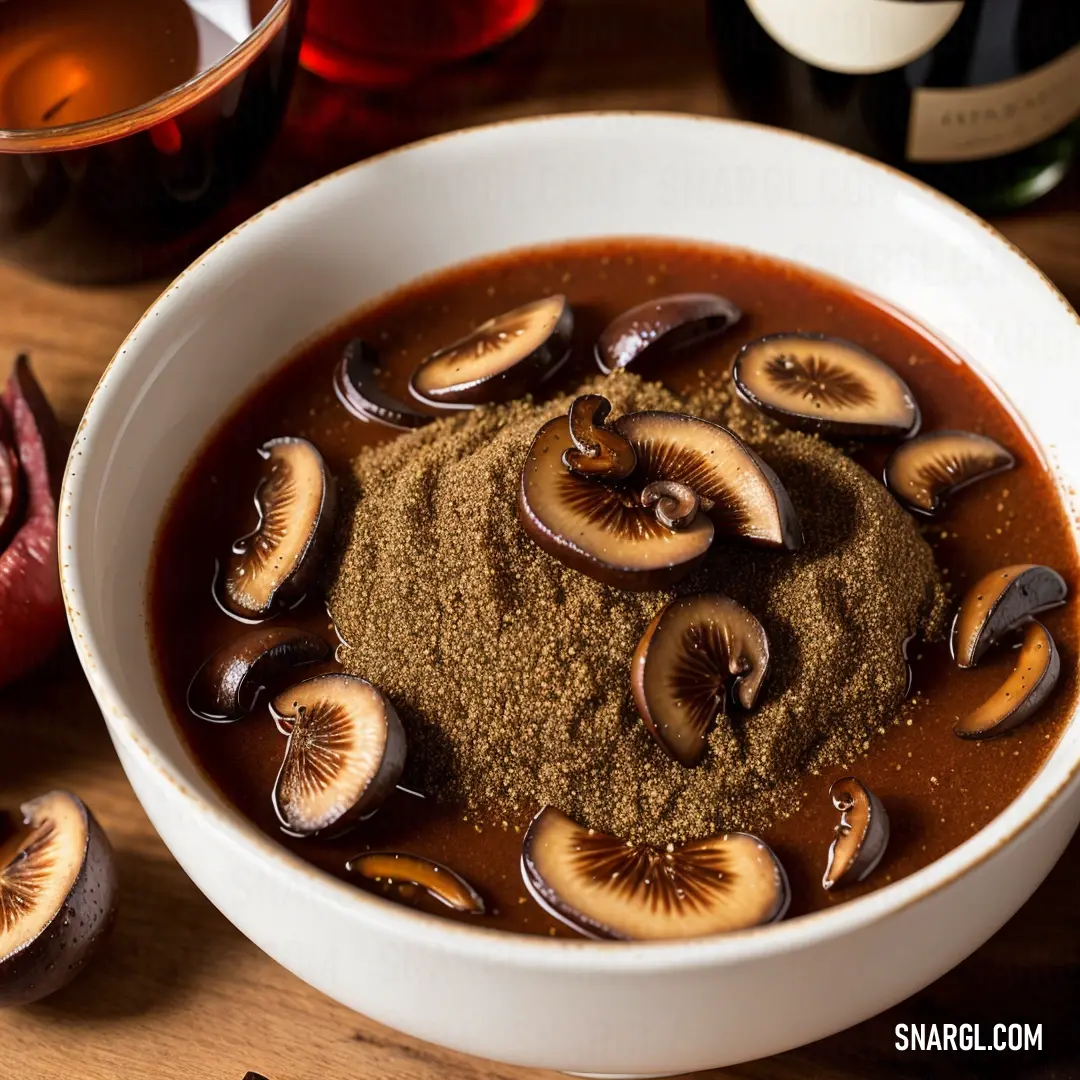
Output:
x=179 y=992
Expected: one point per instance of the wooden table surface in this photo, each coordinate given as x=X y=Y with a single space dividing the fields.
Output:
x=179 y=992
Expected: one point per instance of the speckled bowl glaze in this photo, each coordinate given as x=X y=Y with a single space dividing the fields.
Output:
x=303 y=264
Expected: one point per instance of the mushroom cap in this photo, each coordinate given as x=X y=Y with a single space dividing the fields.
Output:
x=825 y=385
x=667 y=322
x=749 y=501
x=1023 y=693
x=501 y=360
x=925 y=472
x=598 y=452
x=58 y=894
x=696 y=653
x=604 y=887
x=225 y=688
x=861 y=837
x=356 y=384
x=274 y=566
x=345 y=754
x=597 y=529
x=436 y=879
x=998 y=603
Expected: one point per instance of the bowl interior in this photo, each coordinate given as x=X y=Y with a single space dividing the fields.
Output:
x=311 y=259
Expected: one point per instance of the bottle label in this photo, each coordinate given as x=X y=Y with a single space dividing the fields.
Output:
x=979 y=122
x=857 y=37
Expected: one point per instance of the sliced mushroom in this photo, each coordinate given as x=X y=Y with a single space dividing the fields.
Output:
x=227 y=686
x=439 y=881
x=675 y=505
x=826 y=385
x=501 y=359
x=58 y=896
x=1023 y=693
x=667 y=323
x=861 y=836
x=607 y=533
x=274 y=566
x=998 y=603
x=600 y=530
x=697 y=652
x=924 y=472
x=604 y=887
x=598 y=452
x=345 y=753
x=356 y=383
x=748 y=500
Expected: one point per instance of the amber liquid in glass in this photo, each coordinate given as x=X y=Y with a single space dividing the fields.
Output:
x=139 y=199
x=380 y=43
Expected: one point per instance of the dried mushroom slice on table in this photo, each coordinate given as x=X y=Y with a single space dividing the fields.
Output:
x=663 y=324
x=925 y=472
x=861 y=835
x=345 y=753
x=58 y=897
x=356 y=383
x=274 y=566
x=697 y=653
x=1023 y=693
x=502 y=359
x=394 y=868
x=998 y=603
x=227 y=685
x=604 y=887
x=825 y=385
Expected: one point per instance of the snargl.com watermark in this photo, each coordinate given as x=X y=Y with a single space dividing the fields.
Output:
x=1014 y=1037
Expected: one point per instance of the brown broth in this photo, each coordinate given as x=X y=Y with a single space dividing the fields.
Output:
x=939 y=789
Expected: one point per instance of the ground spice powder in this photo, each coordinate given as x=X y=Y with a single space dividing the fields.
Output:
x=511 y=671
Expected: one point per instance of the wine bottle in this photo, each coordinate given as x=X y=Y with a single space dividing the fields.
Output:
x=978 y=97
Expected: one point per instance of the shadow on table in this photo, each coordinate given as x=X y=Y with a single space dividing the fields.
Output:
x=164 y=945
x=50 y=725
x=167 y=935
x=1028 y=973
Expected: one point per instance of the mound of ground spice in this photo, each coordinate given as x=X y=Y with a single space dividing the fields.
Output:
x=511 y=671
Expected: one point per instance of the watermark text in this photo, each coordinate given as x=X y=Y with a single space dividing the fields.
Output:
x=1014 y=1037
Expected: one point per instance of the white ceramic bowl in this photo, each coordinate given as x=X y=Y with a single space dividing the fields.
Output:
x=309 y=260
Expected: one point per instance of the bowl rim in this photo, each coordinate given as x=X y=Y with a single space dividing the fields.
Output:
x=478 y=942
x=157 y=110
